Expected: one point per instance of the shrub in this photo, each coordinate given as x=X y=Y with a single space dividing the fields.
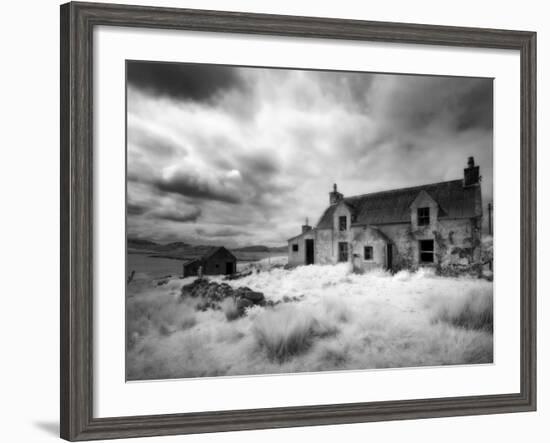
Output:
x=162 y=314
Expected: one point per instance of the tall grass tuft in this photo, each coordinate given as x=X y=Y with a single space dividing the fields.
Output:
x=230 y=309
x=285 y=333
x=472 y=311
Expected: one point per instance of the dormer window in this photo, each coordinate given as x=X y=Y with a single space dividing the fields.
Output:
x=343 y=223
x=423 y=216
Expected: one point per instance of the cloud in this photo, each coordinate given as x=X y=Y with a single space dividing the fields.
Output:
x=190 y=184
x=257 y=150
x=150 y=139
x=182 y=81
x=414 y=103
x=178 y=215
x=476 y=106
x=135 y=209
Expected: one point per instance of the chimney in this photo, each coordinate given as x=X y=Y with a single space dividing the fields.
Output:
x=335 y=196
x=471 y=173
x=306 y=227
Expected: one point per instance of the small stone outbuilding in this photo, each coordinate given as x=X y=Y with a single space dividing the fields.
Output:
x=436 y=225
x=216 y=261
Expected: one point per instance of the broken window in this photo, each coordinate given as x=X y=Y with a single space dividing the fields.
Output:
x=343 y=223
x=426 y=251
x=423 y=216
x=342 y=252
x=367 y=253
x=295 y=247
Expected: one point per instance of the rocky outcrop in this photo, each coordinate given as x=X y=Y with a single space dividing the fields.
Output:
x=202 y=287
x=212 y=294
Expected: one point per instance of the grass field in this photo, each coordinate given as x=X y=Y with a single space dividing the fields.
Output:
x=328 y=319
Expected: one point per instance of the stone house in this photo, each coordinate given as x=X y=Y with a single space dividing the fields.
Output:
x=215 y=261
x=435 y=225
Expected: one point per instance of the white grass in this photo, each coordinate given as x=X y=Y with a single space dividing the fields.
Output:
x=341 y=321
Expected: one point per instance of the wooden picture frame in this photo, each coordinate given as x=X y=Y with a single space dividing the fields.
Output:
x=77 y=23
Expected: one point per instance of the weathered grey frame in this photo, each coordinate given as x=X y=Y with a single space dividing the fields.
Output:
x=77 y=24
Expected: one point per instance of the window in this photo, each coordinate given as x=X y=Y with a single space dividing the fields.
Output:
x=423 y=216
x=426 y=251
x=343 y=223
x=367 y=253
x=295 y=247
x=343 y=251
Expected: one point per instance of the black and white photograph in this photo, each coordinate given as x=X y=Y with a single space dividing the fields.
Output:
x=287 y=220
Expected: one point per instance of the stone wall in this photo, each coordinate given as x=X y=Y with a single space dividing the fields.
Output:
x=325 y=250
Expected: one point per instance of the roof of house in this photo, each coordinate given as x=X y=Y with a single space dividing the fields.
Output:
x=454 y=200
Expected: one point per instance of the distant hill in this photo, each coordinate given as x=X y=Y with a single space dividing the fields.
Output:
x=255 y=248
x=261 y=248
x=138 y=242
x=279 y=249
x=176 y=250
x=174 y=246
x=185 y=251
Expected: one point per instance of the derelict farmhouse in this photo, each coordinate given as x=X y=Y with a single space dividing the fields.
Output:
x=431 y=225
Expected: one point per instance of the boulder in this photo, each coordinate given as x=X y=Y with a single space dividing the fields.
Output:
x=253 y=296
x=244 y=303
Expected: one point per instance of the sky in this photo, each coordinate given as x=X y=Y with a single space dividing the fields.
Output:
x=240 y=156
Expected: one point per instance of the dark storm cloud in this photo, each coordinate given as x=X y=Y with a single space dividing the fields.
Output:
x=408 y=104
x=190 y=185
x=178 y=215
x=135 y=209
x=261 y=164
x=476 y=106
x=182 y=81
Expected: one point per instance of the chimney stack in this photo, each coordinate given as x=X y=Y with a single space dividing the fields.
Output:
x=306 y=227
x=471 y=173
x=335 y=196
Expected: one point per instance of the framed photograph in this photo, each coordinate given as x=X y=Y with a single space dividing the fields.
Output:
x=273 y=221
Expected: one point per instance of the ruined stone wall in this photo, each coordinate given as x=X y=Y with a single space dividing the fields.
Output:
x=459 y=242
x=456 y=242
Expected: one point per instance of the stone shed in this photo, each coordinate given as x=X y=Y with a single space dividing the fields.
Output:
x=215 y=261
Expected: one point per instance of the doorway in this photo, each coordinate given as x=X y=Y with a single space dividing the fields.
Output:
x=229 y=267
x=342 y=252
x=389 y=252
x=310 y=254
